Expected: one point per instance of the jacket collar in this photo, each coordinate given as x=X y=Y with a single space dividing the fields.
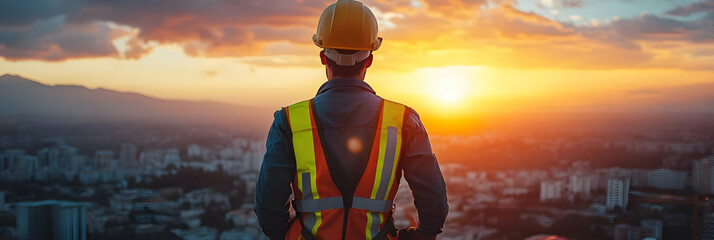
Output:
x=344 y=83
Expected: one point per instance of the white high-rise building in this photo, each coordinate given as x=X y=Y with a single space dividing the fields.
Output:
x=620 y=172
x=618 y=189
x=702 y=170
x=667 y=179
x=580 y=184
x=550 y=190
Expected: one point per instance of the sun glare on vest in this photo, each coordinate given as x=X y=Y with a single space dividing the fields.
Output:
x=354 y=145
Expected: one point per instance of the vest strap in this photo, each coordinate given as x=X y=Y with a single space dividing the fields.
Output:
x=373 y=205
x=316 y=205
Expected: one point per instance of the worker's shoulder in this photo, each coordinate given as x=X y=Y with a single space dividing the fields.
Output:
x=302 y=102
x=412 y=119
x=281 y=114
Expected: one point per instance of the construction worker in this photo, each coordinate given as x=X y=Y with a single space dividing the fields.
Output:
x=342 y=154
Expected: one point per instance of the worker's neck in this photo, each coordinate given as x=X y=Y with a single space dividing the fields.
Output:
x=344 y=77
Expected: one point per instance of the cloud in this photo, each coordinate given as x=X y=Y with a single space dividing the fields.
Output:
x=214 y=28
x=705 y=6
x=277 y=33
x=53 y=40
x=572 y=3
x=651 y=27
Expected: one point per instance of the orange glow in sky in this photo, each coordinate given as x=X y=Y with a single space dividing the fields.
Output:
x=455 y=60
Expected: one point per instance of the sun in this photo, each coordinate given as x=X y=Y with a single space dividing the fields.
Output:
x=449 y=85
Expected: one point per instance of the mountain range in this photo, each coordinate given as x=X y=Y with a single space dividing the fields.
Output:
x=25 y=98
x=22 y=98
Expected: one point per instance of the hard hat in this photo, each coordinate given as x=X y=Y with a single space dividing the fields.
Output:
x=348 y=25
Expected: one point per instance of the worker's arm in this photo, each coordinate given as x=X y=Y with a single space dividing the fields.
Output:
x=272 y=190
x=421 y=170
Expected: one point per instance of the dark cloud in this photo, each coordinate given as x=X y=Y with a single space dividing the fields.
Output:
x=60 y=29
x=705 y=6
x=24 y=13
x=651 y=27
x=571 y=3
x=52 y=40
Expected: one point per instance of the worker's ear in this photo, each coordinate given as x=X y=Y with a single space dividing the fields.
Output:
x=368 y=62
x=323 y=58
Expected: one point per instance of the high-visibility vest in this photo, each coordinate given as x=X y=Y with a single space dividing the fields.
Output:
x=323 y=212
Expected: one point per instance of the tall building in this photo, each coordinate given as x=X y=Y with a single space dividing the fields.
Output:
x=550 y=190
x=667 y=179
x=620 y=172
x=128 y=153
x=702 y=170
x=58 y=220
x=580 y=184
x=618 y=189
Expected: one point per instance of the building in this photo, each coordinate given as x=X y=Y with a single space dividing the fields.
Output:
x=172 y=158
x=10 y=158
x=667 y=179
x=618 y=189
x=102 y=158
x=655 y=226
x=59 y=220
x=702 y=175
x=707 y=230
x=638 y=178
x=629 y=232
x=580 y=184
x=620 y=172
x=550 y=190
x=128 y=153
x=194 y=151
x=62 y=157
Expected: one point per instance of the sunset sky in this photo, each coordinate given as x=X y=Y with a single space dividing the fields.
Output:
x=443 y=57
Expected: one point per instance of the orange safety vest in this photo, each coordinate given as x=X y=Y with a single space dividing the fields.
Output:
x=323 y=212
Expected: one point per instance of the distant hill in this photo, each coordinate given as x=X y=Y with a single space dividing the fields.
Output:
x=24 y=98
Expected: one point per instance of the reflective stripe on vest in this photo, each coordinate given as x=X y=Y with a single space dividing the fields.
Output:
x=316 y=205
x=374 y=198
x=389 y=149
x=302 y=125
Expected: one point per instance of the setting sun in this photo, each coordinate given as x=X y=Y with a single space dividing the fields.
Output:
x=450 y=85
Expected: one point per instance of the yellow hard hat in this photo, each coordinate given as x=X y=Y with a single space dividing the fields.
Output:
x=349 y=25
